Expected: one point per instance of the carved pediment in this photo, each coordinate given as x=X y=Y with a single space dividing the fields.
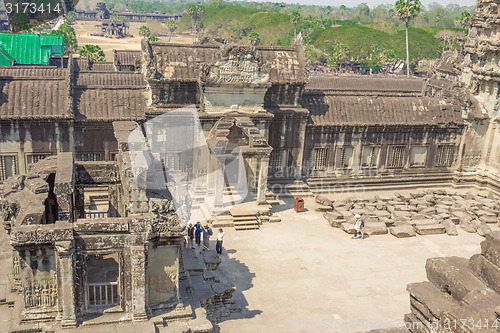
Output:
x=236 y=65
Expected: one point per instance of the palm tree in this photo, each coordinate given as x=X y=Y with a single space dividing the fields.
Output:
x=254 y=38
x=342 y=10
x=200 y=11
x=191 y=11
x=171 y=26
x=295 y=19
x=144 y=31
x=407 y=10
x=92 y=53
x=464 y=19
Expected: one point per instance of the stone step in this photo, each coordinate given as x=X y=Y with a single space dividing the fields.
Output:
x=452 y=275
x=244 y=218
x=246 y=227
x=241 y=223
x=429 y=300
x=240 y=213
x=486 y=271
x=431 y=229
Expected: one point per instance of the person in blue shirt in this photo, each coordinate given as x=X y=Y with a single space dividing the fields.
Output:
x=197 y=233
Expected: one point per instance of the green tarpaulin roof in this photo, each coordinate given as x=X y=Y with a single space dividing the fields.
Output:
x=32 y=49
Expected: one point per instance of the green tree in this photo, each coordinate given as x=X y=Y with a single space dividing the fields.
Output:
x=153 y=38
x=464 y=19
x=341 y=53
x=295 y=19
x=171 y=27
x=254 y=38
x=407 y=10
x=200 y=11
x=342 y=8
x=70 y=18
x=195 y=12
x=19 y=21
x=144 y=31
x=69 y=37
x=92 y=53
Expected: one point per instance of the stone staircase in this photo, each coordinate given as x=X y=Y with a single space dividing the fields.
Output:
x=244 y=220
x=461 y=295
x=299 y=188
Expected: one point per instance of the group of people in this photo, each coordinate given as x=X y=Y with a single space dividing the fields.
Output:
x=197 y=231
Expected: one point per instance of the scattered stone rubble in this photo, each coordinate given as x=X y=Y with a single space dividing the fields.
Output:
x=419 y=212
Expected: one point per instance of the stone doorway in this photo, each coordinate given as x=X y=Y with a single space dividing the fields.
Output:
x=103 y=288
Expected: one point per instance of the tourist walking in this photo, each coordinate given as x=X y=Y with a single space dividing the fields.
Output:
x=190 y=235
x=220 y=238
x=207 y=232
x=197 y=233
x=358 y=227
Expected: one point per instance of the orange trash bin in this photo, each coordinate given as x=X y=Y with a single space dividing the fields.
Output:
x=299 y=204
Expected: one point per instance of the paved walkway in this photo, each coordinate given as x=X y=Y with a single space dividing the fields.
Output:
x=301 y=275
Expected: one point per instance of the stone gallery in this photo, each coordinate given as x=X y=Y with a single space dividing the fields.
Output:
x=94 y=232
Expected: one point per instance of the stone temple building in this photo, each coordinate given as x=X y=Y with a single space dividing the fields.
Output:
x=112 y=28
x=87 y=223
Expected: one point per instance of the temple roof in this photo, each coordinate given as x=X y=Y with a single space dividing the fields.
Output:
x=335 y=110
x=38 y=92
x=366 y=84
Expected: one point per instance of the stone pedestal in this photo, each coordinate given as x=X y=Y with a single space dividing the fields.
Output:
x=138 y=258
x=262 y=184
x=219 y=182
x=65 y=253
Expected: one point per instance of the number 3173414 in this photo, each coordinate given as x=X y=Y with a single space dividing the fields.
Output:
x=32 y=8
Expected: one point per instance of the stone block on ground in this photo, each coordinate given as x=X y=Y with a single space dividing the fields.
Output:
x=322 y=208
x=481 y=228
x=467 y=226
x=274 y=219
x=415 y=222
x=429 y=299
x=375 y=228
x=430 y=229
x=452 y=275
x=490 y=248
x=333 y=220
x=322 y=200
x=211 y=259
x=403 y=231
x=401 y=213
x=451 y=228
x=348 y=227
x=486 y=271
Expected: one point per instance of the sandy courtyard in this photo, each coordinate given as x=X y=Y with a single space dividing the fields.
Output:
x=301 y=275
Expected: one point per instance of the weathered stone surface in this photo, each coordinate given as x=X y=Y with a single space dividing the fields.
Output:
x=403 y=231
x=322 y=200
x=486 y=271
x=430 y=229
x=423 y=222
x=348 y=227
x=490 y=248
x=333 y=220
x=452 y=275
x=430 y=296
x=322 y=208
x=451 y=228
x=375 y=228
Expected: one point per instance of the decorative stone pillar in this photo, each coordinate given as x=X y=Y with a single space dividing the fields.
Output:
x=65 y=252
x=262 y=181
x=138 y=263
x=301 y=141
x=219 y=181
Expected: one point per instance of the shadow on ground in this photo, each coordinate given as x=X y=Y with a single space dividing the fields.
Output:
x=237 y=273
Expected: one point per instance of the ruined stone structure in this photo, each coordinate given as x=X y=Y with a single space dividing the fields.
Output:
x=101 y=12
x=112 y=28
x=69 y=263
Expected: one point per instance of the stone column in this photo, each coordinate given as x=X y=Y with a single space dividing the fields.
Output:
x=301 y=142
x=219 y=181
x=138 y=283
x=262 y=181
x=65 y=252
